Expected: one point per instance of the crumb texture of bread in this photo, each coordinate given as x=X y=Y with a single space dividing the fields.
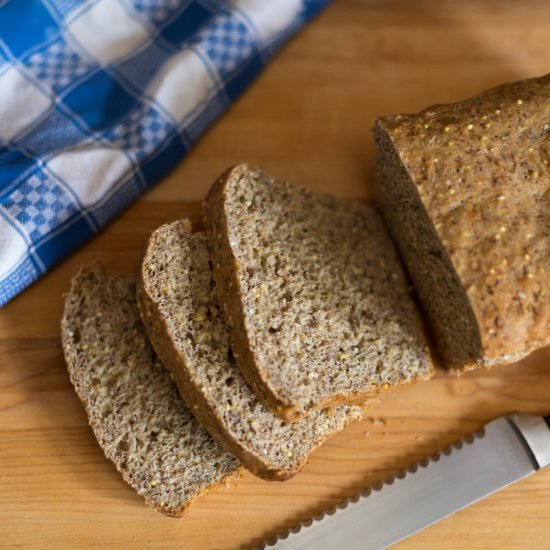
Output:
x=133 y=405
x=465 y=189
x=180 y=309
x=314 y=293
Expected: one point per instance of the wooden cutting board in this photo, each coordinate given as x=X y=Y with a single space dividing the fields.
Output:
x=308 y=118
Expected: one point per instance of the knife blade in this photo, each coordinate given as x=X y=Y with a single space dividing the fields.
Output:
x=504 y=451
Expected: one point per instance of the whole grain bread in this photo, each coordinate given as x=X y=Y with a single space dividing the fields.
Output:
x=180 y=309
x=314 y=294
x=465 y=189
x=133 y=406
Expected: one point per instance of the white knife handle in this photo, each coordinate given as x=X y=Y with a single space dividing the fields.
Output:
x=535 y=430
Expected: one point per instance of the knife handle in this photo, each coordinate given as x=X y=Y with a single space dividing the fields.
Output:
x=536 y=435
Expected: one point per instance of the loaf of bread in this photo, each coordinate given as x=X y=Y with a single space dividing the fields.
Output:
x=313 y=292
x=133 y=406
x=180 y=309
x=465 y=189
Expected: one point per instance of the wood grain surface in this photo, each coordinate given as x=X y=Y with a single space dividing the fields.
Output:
x=308 y=117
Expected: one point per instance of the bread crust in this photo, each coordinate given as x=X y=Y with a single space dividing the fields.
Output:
x=480 y=169
x=226 y=272
x=164 y=343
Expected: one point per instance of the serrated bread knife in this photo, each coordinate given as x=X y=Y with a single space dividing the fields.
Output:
x=504 y=451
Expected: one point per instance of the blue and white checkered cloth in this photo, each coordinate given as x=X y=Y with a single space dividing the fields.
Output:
x=99 y=99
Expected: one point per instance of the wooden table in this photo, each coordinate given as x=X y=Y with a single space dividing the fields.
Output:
x=308 y=117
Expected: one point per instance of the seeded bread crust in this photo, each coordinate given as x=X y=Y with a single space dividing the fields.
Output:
x=465 y=189
x=133 y=406
x=180 y=310
x=228 y=275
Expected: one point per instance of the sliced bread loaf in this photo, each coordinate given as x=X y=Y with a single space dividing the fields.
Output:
x=180 y=309
x=133 y=406
x=465 y=189
x=314 y=293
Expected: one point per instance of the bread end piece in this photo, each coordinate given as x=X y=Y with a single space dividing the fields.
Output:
x=465 y=191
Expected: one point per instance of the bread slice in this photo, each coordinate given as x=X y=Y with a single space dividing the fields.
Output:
x=180 y=309
x=133 y=406
x=316 y=299
x=465 y=189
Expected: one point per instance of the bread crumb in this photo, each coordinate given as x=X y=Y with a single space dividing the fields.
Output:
x=377 y=421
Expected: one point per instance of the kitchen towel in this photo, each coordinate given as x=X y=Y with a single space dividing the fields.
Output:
x=99 y=99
